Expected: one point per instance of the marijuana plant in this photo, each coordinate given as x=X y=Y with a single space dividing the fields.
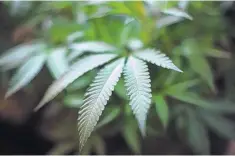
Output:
x=137 y=82
x=121 y=39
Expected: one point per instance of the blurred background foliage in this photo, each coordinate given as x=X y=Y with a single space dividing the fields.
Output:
x=188 y=111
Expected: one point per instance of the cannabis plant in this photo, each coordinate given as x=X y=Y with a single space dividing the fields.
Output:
x=121 y=38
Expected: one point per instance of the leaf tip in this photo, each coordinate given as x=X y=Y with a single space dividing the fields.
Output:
x=8 y=94
x=40 y=105
x=177 y=69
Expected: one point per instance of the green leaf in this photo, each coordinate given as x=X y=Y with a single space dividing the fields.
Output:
x=26 y=73
x=20 y=53
x=219 y=106
x=201 y=66
x=62 y=148
x=98 y=145
x=198 y=62
x=57 y=62
x=90 y=46
x=137 y=82
x=197 y=135
x=76 y=70
x=130 y=31
x=119 y=8
x=131 y=136
x=162 y=109
x=110 y=116
x=137 y=8
x=82 y=82
x=157 y=58
x=60 y=4
x=178 y=13
x=61 y=29
x=96 y=98
x=217 y=53
x=191 y=98
x=73 y=100
x=120 y=89
x=181 y=87
x=220 y=125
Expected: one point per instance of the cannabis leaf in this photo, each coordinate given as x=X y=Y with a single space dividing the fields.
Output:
x=137 y=82
x=76 y=70
x=96 y=98
x=57 y=63
x=168 y=20
x=178 y=13
x=91 y=46
x=15 y=56
x=26 y=73
x=162 y=109
x=157 y=58
x=219 y=124
x=197 y=134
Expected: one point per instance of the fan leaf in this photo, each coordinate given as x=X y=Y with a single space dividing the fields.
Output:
x=178 y=13
x=162 y=109
x=157 y=58
x=18 y=54
x=222 y=126
x=76 y=70
x=197 y=134
x=91 y=46
x=96 y=98
x=137 y=82
x=168 y=20
x=57 y=62
x=26 y=73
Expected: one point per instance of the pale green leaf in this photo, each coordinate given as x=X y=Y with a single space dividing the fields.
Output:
x=96 y=98
x=57 y=62
x=78 y=49
x=82 y=82
x=183 y=4
x=131 y=136
x=19 y=8
x=20 y=53
x=134 y=44
x=73 y=100
x=76 y=70
x=26 y=73
x=178 y=13
x=137 y=82
x=197 y=135
x=74 y=36
x=167 y=20
x=13 y=65
x=157 y=58
x=220 y=125
x=162 y=109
